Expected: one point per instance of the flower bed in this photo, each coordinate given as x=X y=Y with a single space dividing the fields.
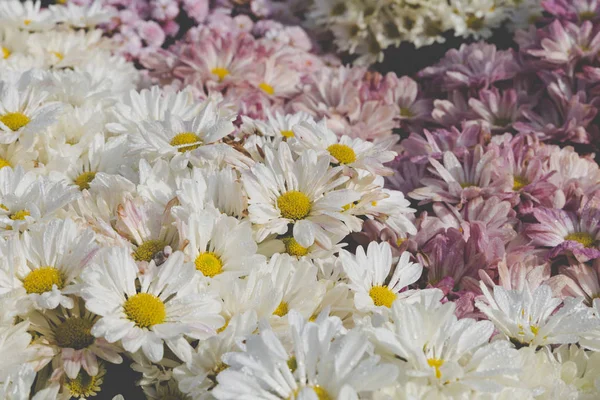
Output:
x=199 y=200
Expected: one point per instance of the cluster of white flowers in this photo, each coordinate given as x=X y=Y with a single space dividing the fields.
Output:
x=208 y=252
x=367 y=27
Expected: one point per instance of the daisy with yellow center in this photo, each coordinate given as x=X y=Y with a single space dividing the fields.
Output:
x=85 y=386
x=219 y=246
x=346 y=151
x=178 y=138
x=142 y=222
x=447 y=352
x=52 y=256
x=167 y=297
x=322 y=363
x=24 y=108
x=368 y=274
x=68 y=334
x=200 y=375
x=295 y=287
x=302 y=192
x=28 y=198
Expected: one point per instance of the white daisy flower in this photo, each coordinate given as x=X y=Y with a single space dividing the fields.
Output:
x=276 y=125
x=301 y=192
x=534 y=318
x=151 y=105
x=368 y=276
x=16 y=373
x=14 y=47
x=323 y=363
x=181 y=140
x=199 y=377
x=78 y=90
x=102 y=157
x=350 y=152
x=210 y=185
x=219 y=246
x=67 y=334
x=14 y=154
x=591 y=339
x=451 y=357
x=81 y=16
x=253 y=293
x=44 y=264
x=23 y=111
x=149 y=228
x=295 y=287
x=386 y=206
x=64 y=49
x=26 y=198
x=287 y=244
x=145 y=311
x=28 y=15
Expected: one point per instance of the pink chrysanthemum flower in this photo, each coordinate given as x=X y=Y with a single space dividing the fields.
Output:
x=578 y=280
x=455 y=182
x=474 y=65
x=434 y=144
x=497 y=111
x=569 y=233
x=529 y=173
x=565 y=43
x=573 y=10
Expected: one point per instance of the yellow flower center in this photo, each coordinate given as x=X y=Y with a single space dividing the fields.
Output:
x=344 y=154
x=587 y=15
x=465 y=185
x=287 y=134
x=186 y=141
x=292 y=364
x=14 y=121
x=20 y=215
x=147 y=250
x=268 y=89
x=5 y=52
x=281 y=310
x=406 y=112
x=319 y=391
x=220 y=367
x=534 y=329
x=293 y=248
x=399 y=241
x=584 y=238
x=349 y=206
x=83 y=386
x=42 y=279
x=382 y=296
x=225 y=325
x=294 y=205
x=221 y=73
x=4 y=163
x=58 y=55
x=145 y=310
x=436 y=363
x=27 y=22
x=84 y=180
x=519 y=183
x=74 y=333
x=209 y=264
x=475 y=23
